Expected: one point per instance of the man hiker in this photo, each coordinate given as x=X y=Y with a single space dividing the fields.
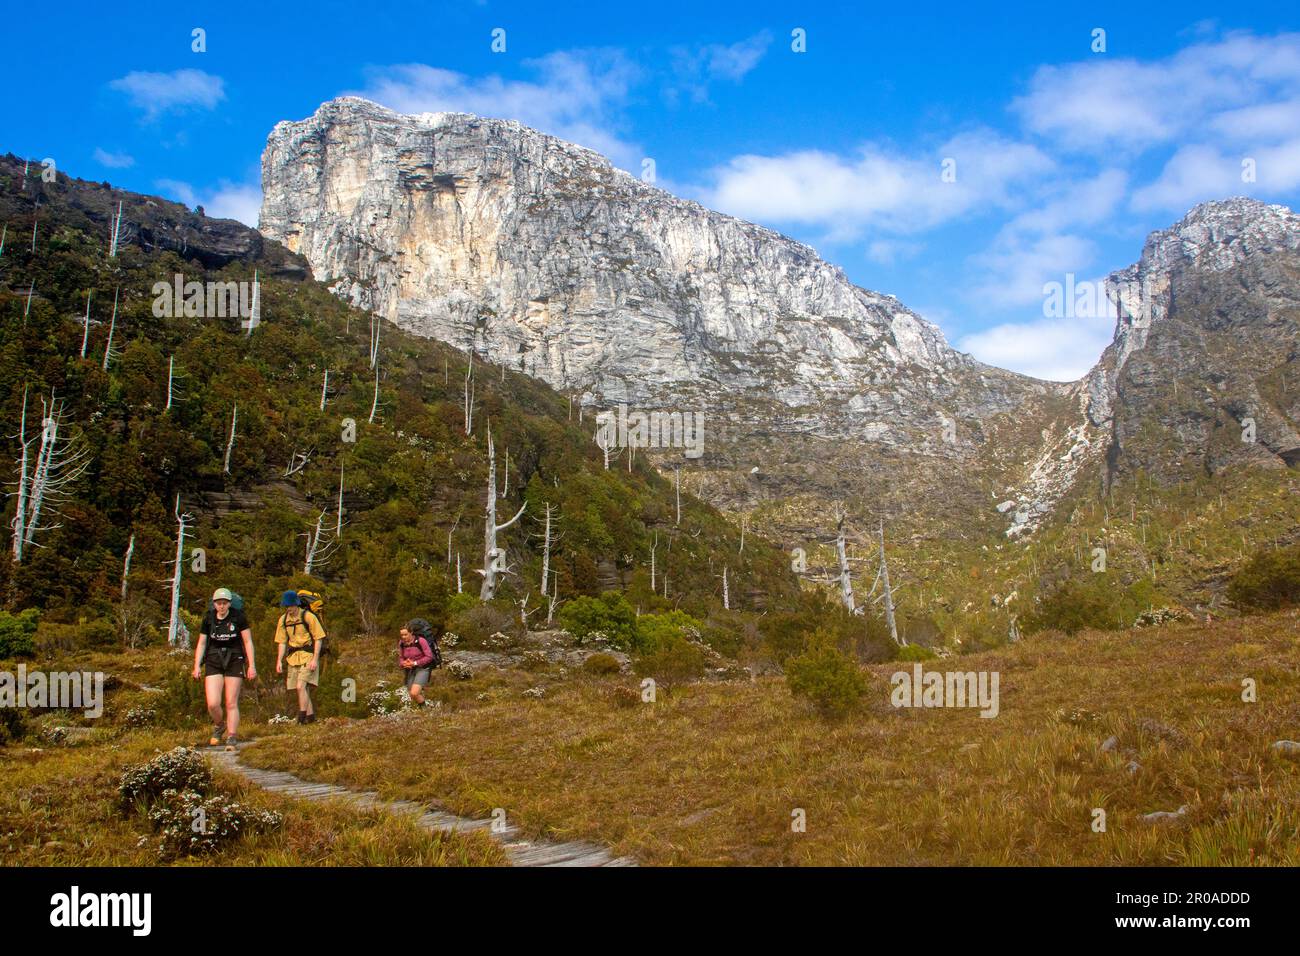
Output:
x=298 y=637
x=225 y=651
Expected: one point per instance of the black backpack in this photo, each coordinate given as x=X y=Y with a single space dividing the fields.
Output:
x=422 y=628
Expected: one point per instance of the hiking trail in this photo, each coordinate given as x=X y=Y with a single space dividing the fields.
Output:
x=520 y=852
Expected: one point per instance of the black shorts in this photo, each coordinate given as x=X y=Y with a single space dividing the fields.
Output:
x=219 y=664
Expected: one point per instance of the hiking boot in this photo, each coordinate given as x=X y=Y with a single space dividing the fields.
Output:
x=231 y=742
x=309 y=719
x=302 y=716
x=215 y=739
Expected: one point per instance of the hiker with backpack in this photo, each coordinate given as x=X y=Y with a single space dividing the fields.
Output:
x=299 y=638
x=417 y=652
x=225 y=652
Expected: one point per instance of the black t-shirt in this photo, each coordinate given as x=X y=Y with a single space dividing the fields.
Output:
x=224 y=633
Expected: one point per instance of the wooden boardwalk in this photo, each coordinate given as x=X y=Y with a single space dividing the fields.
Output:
x=519 y=851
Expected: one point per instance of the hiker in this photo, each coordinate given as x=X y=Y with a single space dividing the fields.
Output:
x=417 y=652
x=225 y=651
x=299 y=636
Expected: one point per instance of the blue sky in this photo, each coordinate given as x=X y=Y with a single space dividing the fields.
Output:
x=1062 y=158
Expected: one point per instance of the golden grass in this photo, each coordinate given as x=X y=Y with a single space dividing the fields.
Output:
x=58 y=807
x=713 y=773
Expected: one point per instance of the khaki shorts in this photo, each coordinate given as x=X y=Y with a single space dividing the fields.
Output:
x=301 y=675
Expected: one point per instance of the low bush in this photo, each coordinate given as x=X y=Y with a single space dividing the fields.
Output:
x=17 y=633
x=826 y=677
x=1268 y=581
x=609 y=614
x=181 y=768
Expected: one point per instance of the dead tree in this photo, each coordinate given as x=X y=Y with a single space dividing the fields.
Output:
x=60 y=461
x=117 y=233
x=5 y=232
x=177 y=635
x=85 y=326
x=726 y=591
x=338 y=531
x=888 y=593
x=375 y=323
x=547 y=539
x=374 y=405
x=126 y=564
x=324 y=386
x=677 y=474
x=230 y=442
x=846 y=577
x=320 y=548
x=109 y=354
x=653 y=548
x=297 y=462
x=454 y=525
x=494 y=559
x=469 y=396
x=255 y=309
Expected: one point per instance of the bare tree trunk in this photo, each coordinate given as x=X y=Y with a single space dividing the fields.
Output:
x=126 y=564
x=324 y=386
x=846 y=577
x=174 y=629
x=546 y=549
x=888 y=593
x=117 y=232
x=469 y=396
x=112 y=327
x=677 y=472
x=85 y=326
x=458 y=581
x=255 y=318
x=20 y=514
x=653 y=548
x=230 y=442
x=171 y=366
x=726 y=591
x=493 y=558
x=374 y=405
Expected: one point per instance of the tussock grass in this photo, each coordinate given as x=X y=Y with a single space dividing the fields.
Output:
x=711 y=774
x=59 y=807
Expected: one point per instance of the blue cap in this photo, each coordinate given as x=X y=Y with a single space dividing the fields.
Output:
x=289 y=599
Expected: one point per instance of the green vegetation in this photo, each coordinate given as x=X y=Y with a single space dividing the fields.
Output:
x=1270 y=580
x=826 y=676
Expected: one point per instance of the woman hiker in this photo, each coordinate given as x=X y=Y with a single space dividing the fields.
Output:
x=298 y=637
x=225 y=652
x=418 y=655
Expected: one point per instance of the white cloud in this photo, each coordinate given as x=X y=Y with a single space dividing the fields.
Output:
x=575 y=97
x=113 y=160
x=1060 y=350
x=228 y=200
x=694 y=68
x=886 y=252
x=877 y=187
x=1101 y=103
x=1016 y=267
x=158 y=93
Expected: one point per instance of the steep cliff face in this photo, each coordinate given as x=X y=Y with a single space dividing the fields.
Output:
x=1202 y=372
x=541 y=255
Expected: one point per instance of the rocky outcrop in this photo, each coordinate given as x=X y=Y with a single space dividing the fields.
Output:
x=541 y=256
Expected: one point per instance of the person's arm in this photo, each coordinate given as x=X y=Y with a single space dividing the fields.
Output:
x=247 y=635
x=199 y=649
x=281 y=640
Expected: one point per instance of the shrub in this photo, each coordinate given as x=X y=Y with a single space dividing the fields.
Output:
x=602 y=664
x=655 y=630
x=181 y=768
x=17 y=633
x=673 y=661
x=478 y=623
x=825 y=676
x=913 y=652
x=13 y=727
x=1092 y=601
x=609 y=614
x=1270 y=580
x=460 y=602
x=189 y=823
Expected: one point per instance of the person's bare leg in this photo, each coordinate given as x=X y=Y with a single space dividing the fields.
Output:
x=417 y=694
x=304 y=699
x=212 y=691
x=233 y=684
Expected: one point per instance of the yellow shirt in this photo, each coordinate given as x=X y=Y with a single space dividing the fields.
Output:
x=299 y=641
